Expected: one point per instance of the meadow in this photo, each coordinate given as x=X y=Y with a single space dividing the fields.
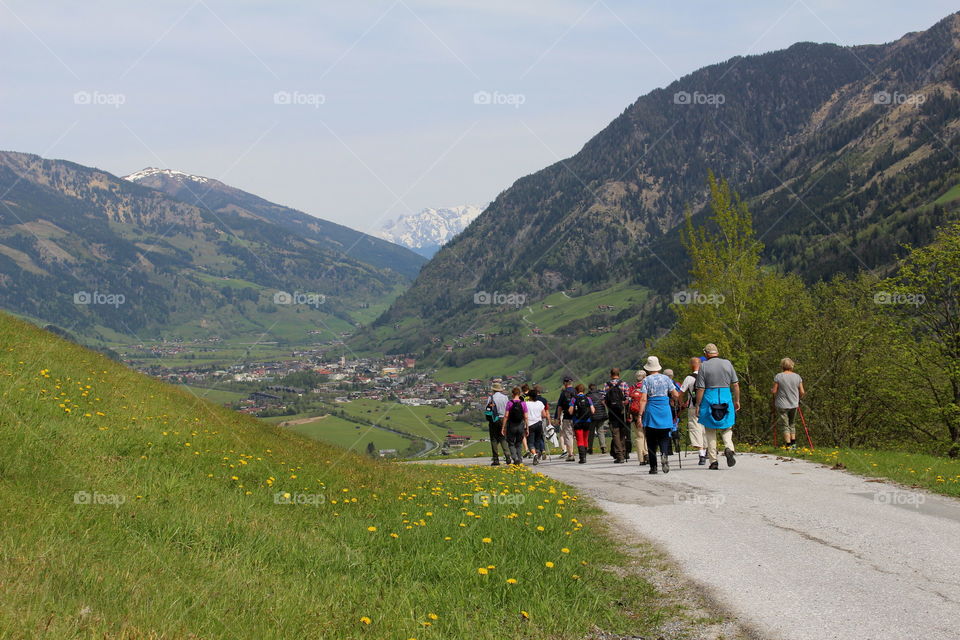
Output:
x=134 y=509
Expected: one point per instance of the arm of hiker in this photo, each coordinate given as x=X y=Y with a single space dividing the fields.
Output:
x=736 y=396
x=803 y=391
x=643 y=405
x=699 y=396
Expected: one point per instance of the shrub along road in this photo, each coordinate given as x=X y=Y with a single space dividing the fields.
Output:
x=793 y=549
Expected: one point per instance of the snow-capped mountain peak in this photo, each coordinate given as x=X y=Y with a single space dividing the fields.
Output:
x=150 y=172
x=429 y=229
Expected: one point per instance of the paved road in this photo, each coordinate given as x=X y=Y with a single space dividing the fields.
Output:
x=795 y=550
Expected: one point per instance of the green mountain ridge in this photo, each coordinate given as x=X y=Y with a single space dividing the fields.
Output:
x=842 y=153
x=96 y=254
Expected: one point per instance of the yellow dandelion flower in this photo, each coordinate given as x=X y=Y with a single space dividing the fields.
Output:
x=511 y=581
x=486 y=540
x=365 y=620
x=433 y=616
x=564 y=550
x=371 y=528
x=483 y=571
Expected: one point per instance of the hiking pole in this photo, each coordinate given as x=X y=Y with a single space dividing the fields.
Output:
x=805 y=430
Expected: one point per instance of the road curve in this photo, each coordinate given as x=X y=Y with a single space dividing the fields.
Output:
x=795 y=550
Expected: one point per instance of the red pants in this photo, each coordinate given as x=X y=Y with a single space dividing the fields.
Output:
x=582 y=432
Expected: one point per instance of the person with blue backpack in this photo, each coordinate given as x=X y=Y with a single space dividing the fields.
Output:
x=718 y=396
x=657 y=395
x=581 y=409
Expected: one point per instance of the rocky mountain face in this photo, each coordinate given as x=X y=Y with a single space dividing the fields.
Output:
x=843 y=154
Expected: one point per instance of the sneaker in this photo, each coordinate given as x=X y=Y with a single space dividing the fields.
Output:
x=731 y=460
x=714 y=466
x=536 y=460
x=703 y=460
x=665 y=464
x=653 y=471
x=570 y=458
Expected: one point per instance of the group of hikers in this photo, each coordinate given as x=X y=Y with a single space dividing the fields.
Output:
x=522 y=423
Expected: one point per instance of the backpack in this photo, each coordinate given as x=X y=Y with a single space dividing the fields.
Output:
x=615 y=399
x=693 y=388
x=581 y=409
x=491 y=411
x=516 y=412
x=635 y=399
x=597 y=398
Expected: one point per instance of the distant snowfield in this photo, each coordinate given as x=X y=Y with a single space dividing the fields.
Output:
x=153 y=171
x=429 y=229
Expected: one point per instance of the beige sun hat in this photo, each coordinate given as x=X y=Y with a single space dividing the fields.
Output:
x=652 y=365
x=711 y=349
x=496 y=386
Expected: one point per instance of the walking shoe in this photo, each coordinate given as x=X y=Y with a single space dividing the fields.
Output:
x=665 y=464
x=618 y=462
x=570 y=458
x=590 y=452
x=703 y=460
x=731 y=460
x=653 y=471
x=495 y=463
x=644 y=462
x=603 y=449
x=536 y=460
x=714 y=466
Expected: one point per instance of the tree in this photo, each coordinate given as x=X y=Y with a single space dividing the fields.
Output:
x=926 y=290
x=371 y=449
x=751 y=312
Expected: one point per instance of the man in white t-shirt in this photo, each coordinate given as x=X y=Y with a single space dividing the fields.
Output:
x=689 y=390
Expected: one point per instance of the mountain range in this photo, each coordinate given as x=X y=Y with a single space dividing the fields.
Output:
x=843 y=153
x=167 y=253
x=429 y=229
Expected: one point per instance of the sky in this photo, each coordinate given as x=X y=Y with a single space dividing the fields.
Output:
x=359 y=112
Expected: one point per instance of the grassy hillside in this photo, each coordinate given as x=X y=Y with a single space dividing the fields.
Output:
x=133 y=509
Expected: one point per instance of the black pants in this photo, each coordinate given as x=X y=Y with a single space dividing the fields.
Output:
x=535 y=439
x=619 y=435
x=658 y=440
x=515 y=432
x=497 y=440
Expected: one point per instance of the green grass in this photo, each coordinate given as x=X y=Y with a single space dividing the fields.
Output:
x=419 y=421
x=951 y=195
x=350 y=435
x=220 y=396
x=133 y=509
x=936 y=474
x=483 y=368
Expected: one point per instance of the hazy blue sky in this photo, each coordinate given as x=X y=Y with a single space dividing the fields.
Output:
x=378 y=117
